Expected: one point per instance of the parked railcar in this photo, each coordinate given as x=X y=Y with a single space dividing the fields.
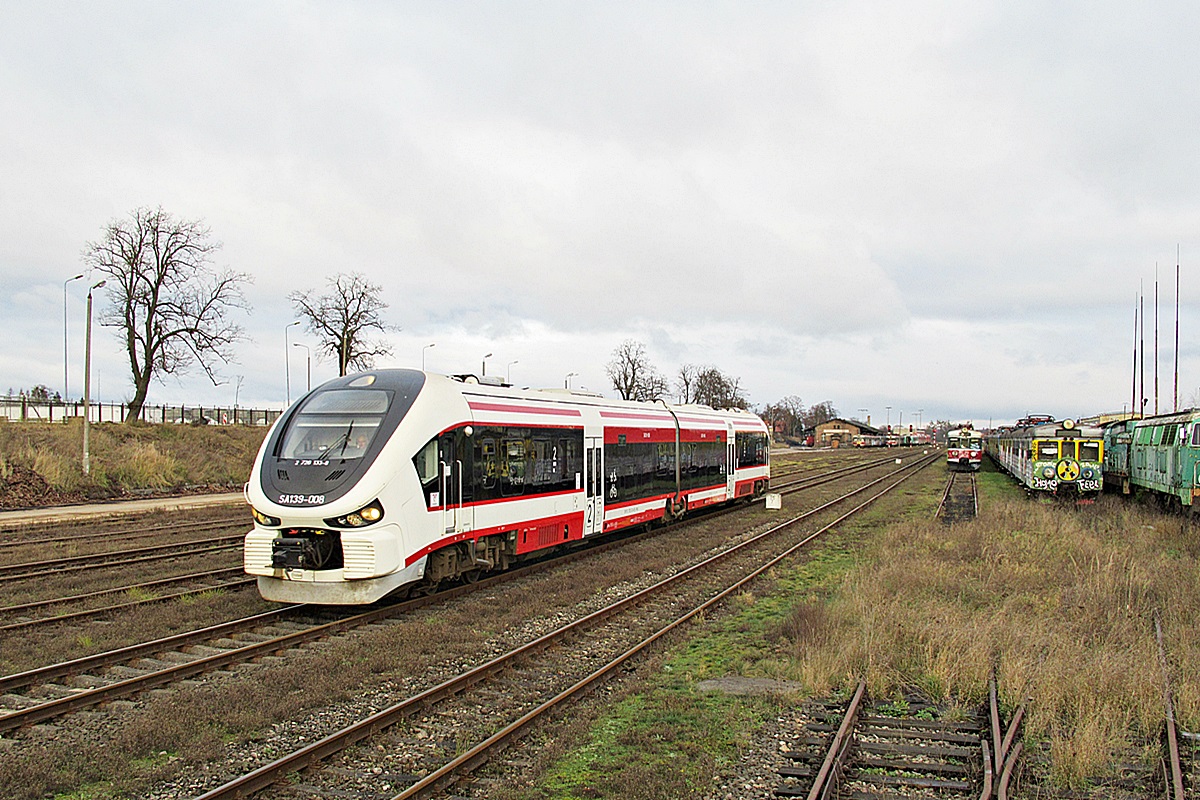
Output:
x=1157 y=454
x=1060 y=458
x=964 y=449
x=400 y=479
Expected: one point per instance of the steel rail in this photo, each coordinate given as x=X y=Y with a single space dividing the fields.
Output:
x=57 y=601
x=339 y=740
x=988 y=771
x=141 y=533
x=945 y=496
x=1010 y=764
x=827 y=777
x=72 y=616
x=1173 y=760
x=114 y=556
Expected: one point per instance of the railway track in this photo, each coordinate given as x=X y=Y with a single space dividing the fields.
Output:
x=120 y=558
x=855 y=750
x=485 y=708
x=960 y=501
x=46 y=693
x=25 y=537
x=57 y=610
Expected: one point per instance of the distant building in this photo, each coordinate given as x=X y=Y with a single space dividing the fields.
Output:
x=839 y=432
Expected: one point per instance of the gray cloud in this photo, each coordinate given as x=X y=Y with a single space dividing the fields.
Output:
x=946 y=206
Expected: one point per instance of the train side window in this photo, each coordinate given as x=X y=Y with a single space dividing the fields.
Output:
x=513 y=482
x=1169 y=435
x=426 y=462
x=1196 y=436
x=488 y=463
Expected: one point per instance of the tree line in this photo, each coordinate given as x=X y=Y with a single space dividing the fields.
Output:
x=634 y=377
x=172 y=309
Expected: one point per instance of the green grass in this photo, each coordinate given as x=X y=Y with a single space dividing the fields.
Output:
x=669 y=739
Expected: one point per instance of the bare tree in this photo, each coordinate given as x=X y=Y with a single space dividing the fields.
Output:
x=716 y=389
x=632 y=374
x=820 y=412
x=786 y=415
x=170 y=305
x=342 y=318
x=685 y=382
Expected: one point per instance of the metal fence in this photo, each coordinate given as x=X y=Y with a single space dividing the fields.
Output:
x=23 y=409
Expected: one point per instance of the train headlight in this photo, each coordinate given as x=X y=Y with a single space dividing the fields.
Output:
x=1047 y=472
x=369 y=514
x=266 y=520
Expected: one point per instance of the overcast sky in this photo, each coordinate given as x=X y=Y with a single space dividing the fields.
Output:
x=942 y=207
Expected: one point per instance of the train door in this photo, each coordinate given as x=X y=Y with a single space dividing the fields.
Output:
x=593 y=484
x=730 y=462
x=451 y=452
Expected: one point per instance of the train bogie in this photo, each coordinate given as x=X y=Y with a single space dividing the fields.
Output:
x=396 y=478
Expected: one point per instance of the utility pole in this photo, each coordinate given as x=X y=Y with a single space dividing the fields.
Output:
x=87 y=381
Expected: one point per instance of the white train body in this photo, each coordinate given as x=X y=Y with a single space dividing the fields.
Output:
x=398 y=478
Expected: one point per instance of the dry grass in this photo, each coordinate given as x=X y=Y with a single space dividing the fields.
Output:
x=1062 y=601
x=127 y=457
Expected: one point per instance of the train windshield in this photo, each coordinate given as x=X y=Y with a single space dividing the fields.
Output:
x=335 y=424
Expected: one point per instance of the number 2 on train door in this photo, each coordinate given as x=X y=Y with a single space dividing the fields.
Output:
x=594 y=487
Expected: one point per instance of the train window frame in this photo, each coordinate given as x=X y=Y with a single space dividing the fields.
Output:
x=1156 y=435
x=1169 y=435
x=429 y=449
x=1196 y=436
x=1091 y=445
x=1045 y=444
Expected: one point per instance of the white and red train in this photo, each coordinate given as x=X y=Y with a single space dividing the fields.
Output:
x=398 y=478
x=964 y=449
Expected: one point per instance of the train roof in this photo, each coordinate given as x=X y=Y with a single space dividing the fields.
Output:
x=1050 y=430
x=411 y=380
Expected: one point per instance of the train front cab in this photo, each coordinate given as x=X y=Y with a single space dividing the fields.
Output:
x=1068 y=460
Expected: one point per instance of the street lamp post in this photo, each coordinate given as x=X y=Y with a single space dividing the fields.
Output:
x=483 y=368
x=237 y=389
x=508 y=371
x=863 y=411
x=567 y=382
x=66 y=383
x=920 y=411
x=287 y=367
x=87 y=380
x=308 y=363
x=889 y=418
x=423 y=349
